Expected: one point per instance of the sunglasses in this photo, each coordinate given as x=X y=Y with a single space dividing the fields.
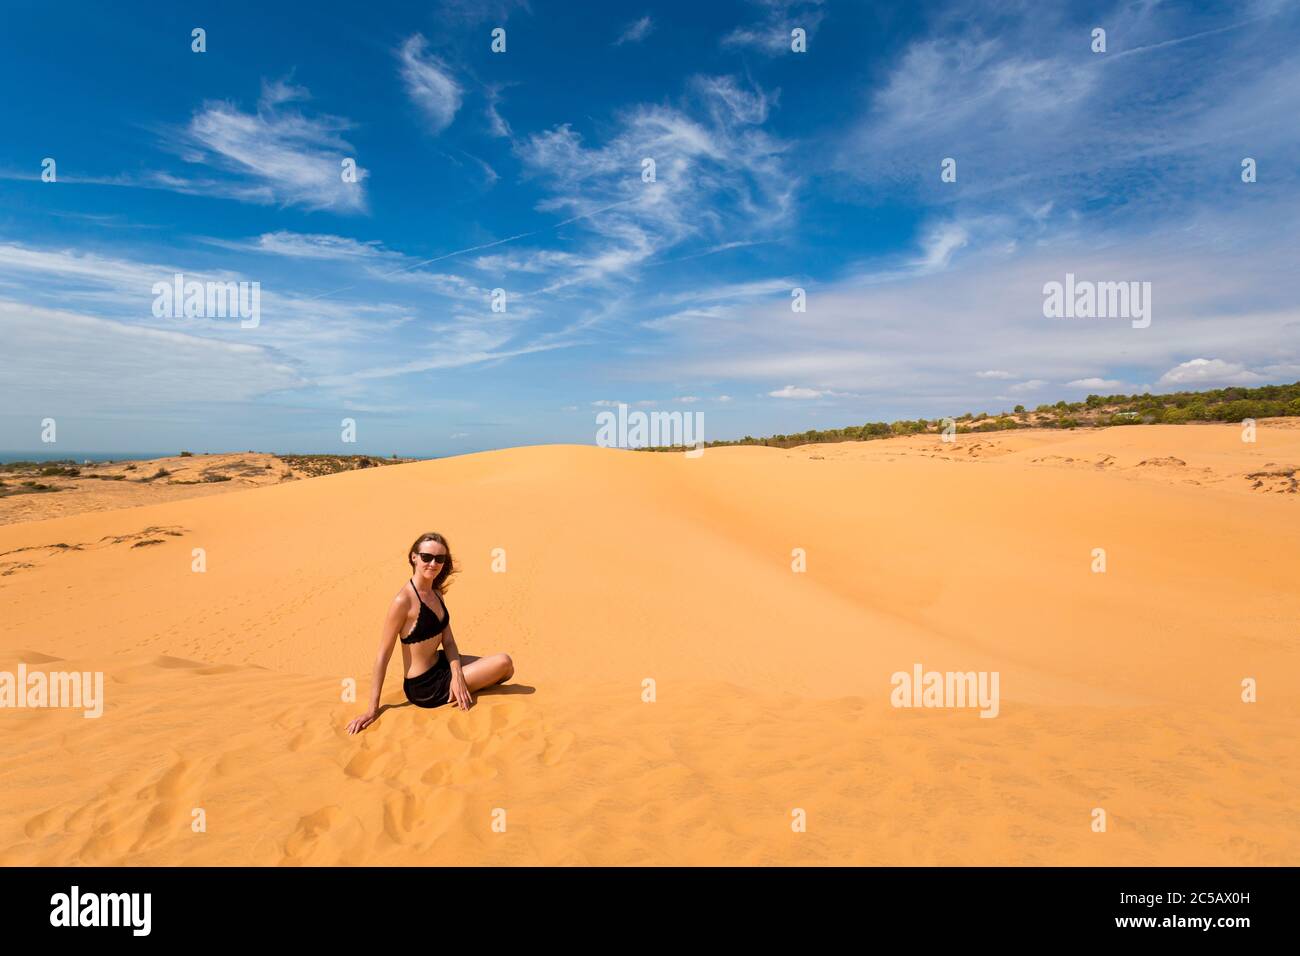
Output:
x=436 y=558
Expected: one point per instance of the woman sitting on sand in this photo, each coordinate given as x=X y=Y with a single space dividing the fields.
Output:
x=431 y=679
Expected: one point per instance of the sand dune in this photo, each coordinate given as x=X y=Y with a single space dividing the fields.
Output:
x=1118 y=690
x=105 y=486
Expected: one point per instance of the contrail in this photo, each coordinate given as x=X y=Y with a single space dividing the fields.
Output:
x=1194 y=36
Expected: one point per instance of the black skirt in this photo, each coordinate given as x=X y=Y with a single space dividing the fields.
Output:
x=431 y=688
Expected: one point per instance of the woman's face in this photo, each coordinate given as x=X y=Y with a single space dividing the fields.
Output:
x=429 y=570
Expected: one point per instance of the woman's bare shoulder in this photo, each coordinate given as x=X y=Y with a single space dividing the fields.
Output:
x=402 y=599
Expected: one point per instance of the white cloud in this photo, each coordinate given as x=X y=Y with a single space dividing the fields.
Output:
x=496 y=122
x=290 y=158
x=314 y=246
x=490 y=175
x=716 y=173
x=636 y=31
x=429 y=83
x=1209 y=372
x=792 y=391
x=281 y=91
x=534 y=262
x=939 y=245
x=994 y=373
x=771 y=32
x=730 y=103
x=738 y=292
x=1033 y=385
x=1094 y=383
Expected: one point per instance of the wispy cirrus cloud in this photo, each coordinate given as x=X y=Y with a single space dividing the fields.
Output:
x=940 y=244
x=636 y=31
x=496 y=122
x=429 y=83
x=473 y=12
x=326 y=342
x=988 y=96
x=296 y=245
x=716 y=172
x=277 y=154
x=96 y=355
x=770 y=33
x=122 y=287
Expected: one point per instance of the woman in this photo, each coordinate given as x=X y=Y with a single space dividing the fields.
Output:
x=419 y=612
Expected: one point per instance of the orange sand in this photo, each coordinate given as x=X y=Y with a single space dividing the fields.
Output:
x=1118 y=690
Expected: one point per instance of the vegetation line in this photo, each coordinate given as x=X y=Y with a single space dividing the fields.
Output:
x=1096 y=411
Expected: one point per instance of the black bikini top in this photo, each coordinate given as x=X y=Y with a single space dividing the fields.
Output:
x=427 y=625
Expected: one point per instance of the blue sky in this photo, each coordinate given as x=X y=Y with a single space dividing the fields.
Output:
x=522 y=171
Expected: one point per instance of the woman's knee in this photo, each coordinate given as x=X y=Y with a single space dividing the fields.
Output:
x=507 y=666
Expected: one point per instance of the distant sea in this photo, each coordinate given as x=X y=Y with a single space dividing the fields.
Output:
x=80 y=456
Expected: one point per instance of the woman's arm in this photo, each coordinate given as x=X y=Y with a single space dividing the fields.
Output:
x=450 y=649
x=459 y=690
x=387 y=640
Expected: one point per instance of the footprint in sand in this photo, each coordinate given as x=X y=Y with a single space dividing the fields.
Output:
x=43 y=824
x=174 y=796
x=481 y=725
x=423 y=816
x=309 y=831
x=444 y=773
x=557 y=745
x=473 y=771
x=366 y=764
x=401 y=816
x=123 y=823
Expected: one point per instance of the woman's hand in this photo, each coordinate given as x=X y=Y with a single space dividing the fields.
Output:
x=459 y=693
x=359 y=724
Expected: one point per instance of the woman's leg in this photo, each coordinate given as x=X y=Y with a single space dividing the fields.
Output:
x=484 y=671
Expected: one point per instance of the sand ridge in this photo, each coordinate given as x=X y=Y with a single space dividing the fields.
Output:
x=1217 y=454
x=110 y=485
